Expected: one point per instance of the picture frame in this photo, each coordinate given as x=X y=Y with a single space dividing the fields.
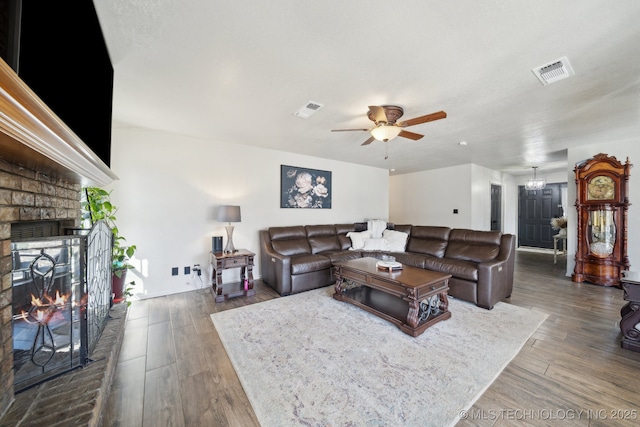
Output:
x=304 y=188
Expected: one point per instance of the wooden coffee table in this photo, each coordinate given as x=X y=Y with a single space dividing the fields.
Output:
x=413 y=298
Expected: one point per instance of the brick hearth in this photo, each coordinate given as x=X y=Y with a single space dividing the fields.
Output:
x=78 y=398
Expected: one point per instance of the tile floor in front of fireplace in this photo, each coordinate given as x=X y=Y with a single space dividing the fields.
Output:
x=173 y=369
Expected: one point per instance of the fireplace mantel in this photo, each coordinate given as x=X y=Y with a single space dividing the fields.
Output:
x=31 y=135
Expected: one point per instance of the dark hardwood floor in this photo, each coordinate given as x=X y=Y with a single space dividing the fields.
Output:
x=173 y=369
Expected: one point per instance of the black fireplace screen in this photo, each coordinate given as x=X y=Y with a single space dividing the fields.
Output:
x=97 y=251
x=58 y=283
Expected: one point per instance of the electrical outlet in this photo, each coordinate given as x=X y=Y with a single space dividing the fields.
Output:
x=174 y=271
x=187 y=270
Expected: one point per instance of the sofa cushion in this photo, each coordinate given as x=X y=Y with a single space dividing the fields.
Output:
x=457 y=268
x=291 y=247
x=322 y=238
x=341 y=231
x=428 y=240
x=360 y=226
x=323 y=244
x=409 y=258
x=289 y=240
x=307 y=263
x=471 y=245
x=284 y=233
x=336 y=256
x=320 y=230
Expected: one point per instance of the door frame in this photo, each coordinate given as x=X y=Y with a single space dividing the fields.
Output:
x=493 y=214
x=555 y=211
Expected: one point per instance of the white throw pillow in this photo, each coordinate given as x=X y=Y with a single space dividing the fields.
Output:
x=375 y=245
x=376 y=227
x=357 y=238
x=396 y=240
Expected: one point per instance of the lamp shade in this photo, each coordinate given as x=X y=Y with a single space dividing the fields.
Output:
x=385 y=132
x=228 y=213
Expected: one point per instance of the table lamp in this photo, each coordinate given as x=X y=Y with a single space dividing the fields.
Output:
x=228 y=213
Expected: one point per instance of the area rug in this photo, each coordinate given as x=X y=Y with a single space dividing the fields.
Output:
x=310 y=360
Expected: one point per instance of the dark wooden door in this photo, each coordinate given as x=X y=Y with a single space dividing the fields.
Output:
x=496 y=207
x=536 y=208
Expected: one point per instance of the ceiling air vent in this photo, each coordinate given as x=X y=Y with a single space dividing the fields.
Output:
x=309 y=109
x=552 y=72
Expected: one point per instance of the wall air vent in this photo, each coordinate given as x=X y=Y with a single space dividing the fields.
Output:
x=552 y=72
x=309 y=109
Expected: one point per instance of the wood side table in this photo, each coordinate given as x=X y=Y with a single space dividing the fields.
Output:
x=555 y=246
x=630 y=313
x=221 y=261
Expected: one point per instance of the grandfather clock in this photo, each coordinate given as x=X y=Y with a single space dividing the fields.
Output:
x=602 y=201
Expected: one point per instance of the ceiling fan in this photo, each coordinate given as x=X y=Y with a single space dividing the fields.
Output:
x=387 y=127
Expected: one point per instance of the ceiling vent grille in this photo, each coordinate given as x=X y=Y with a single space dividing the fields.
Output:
x=309 y=109
x=552 y=72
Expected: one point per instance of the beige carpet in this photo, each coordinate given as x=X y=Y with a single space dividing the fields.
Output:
x=310 y=360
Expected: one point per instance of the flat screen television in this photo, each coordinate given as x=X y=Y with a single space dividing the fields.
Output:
x=57 y=49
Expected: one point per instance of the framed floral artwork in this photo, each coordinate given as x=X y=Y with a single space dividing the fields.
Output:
x=304 y=188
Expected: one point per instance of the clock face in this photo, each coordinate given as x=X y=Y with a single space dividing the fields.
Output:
x=601 y=188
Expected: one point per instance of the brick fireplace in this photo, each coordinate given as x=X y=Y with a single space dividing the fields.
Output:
x=43 y=166
x=25 y=196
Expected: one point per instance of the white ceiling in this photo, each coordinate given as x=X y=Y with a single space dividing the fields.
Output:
x=236 y=71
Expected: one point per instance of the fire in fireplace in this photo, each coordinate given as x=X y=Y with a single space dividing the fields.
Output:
x=61 y=299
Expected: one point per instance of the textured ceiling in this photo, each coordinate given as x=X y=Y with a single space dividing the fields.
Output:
x=236 y=71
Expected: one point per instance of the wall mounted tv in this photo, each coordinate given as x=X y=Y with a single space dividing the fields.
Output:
x=58 y=50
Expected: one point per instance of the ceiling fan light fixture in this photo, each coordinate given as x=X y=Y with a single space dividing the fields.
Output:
x=385 y=132
x=535 y=183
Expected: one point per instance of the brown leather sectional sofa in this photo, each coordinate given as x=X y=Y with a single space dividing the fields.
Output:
x=298 y=258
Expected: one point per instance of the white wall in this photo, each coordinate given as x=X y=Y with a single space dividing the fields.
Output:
x=429 y=197
x=620 y=150
x=170 y=186
x=481 y=181
x=510 y=204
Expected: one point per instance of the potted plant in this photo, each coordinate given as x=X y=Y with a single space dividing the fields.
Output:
x=97 y=206
x=559 y=224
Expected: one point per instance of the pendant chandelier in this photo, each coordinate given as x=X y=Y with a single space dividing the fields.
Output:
x=535 y=183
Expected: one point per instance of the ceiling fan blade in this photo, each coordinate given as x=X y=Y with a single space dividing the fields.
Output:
x=346 y=130
x=368 y=141
x=410 y=135
x=423 y=119
x=378 y=114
